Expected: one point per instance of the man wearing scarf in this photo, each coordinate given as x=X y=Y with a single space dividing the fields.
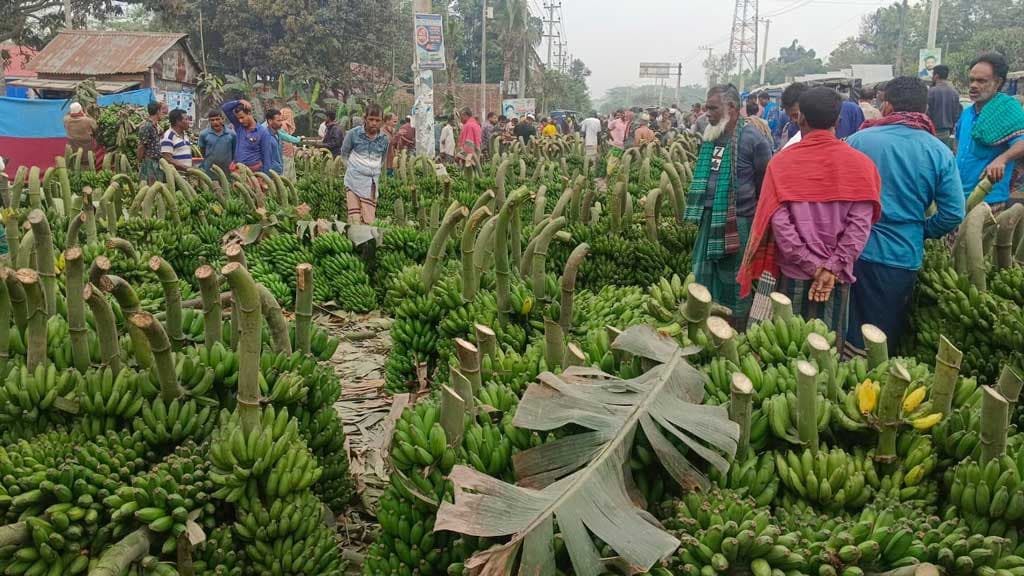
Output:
x=990 y=134
x=723 y=196
x=917 y=169
x=817 y=205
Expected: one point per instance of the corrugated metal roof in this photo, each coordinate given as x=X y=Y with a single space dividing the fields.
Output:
x=20 y=57
x=97 y=53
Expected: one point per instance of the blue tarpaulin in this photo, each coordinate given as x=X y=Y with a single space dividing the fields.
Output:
x=31 y=132
x=140 y=97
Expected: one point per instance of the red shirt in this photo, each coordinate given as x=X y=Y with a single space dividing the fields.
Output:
x=471 y=132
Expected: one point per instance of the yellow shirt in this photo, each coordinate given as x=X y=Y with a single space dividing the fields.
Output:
x=550 y=130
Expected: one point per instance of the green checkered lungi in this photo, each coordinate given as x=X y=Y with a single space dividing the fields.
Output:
x=719 y=276
x=835 y=313
x=150 y=171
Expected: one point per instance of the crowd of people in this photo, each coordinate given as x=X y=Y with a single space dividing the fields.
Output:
x=830 y=196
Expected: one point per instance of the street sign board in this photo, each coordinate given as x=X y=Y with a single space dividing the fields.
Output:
x=655 y=70
x=429 y=33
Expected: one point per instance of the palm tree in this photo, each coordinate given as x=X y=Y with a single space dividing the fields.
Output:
x=515 y=24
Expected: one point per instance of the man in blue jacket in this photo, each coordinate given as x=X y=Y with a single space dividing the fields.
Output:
x=917 y=169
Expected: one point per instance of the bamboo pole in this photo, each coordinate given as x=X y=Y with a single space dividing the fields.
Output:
x=723 y=337
x=247 y=302
x=807 y=400
x=163 y=356
x=821 y=352
x=78 y=332
x=994 y=423
x=35 y=339
x=45 y=262
x=106 y=327
x=741 y=391
x=303 y=307
x=568 y=285
x=876 y=344
x=172 y=299
x=947 y=370
x=209 y=289
x=890 y=404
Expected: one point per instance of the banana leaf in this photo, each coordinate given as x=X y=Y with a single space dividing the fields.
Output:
x=583 y=482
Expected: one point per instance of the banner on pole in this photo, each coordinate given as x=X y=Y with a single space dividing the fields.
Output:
x=429 y=31
x=927 y=59
x=518 y=107
x=655 y=70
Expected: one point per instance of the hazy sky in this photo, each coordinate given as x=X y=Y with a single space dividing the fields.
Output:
x=614 y=36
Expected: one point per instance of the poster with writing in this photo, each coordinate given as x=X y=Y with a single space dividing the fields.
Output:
x=429 y=42
x=518 y=107
x=183 y=100
x=927 y=59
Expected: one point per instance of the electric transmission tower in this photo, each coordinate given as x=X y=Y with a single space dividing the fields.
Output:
x=743 y=39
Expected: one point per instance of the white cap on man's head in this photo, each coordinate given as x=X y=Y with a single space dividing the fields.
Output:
x=76 y=108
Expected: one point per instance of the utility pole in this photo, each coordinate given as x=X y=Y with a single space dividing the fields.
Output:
x=764 y=52
x=423 y=117
x=551 y=21
x=933 y=23
x=743 y=37
x=483 y=61
x=679 y=80
x=67 y=14
x=902 y=18
x=708 y=65
x=526 y=48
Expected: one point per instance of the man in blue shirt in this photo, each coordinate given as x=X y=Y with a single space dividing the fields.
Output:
x=217 y=143
x=254 y=145
x=917 y=169
x=990 y=134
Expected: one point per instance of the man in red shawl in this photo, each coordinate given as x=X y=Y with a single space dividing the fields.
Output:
x=818 y=202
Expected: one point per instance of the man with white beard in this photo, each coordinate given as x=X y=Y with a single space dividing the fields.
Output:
x=723 y=197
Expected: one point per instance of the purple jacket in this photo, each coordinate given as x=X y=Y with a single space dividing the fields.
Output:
x=812 y=235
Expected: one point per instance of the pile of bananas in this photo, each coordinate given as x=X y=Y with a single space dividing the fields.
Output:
x=402 y=246
x=107 y=402
x=779 y=341
x=29 y=399
x=831 y=479
x=753 y=477
x=991 y=496
x=782 y=414
x=665 y=297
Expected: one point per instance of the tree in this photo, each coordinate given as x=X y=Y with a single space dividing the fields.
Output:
x=34 y=22
x=793 y=60
x=565 y=91
x=631 y=96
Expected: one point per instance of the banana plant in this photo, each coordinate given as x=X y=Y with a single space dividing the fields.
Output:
x=579 y=481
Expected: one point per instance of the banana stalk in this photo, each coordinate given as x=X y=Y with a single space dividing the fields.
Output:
x=676 y=186
x=431 y=270
x=119 y=557
x=978 y=194
x=807 y=401
x=516 y=239
x=1009 y=385
x=45 y=262
x=539 y=257
x=574 y=356
x=74 y=278
x=453 y=416
x=19 y=302
x=303 y=306
x=15 y=534
x=470 y=282
x=280 y=339
x=782 y=306
x=123 y=246
x=587 y=207
x=235 y=253
x=615 y=201
x=209 y=289
x=435 y=215
x=876 y=345
x=98 y=269
x=128 y=300
x=13 y=235
x=65 y=184
x=5 y=191
x=485 y=199
x=540 y=204
x=554 y=344
x=483 y=249
x=1007 y=223
x=486 y=342
x=994 y=423
x=724 y=339
x=652 y=205
x=106 y=327
x=969 y=249
x=27 y=250
x=35 y=189
x=399 y=212
x=247 y=302
x=890 y=405
x=821 y=352
x=696 y=309
x=469 y=363
x=568 y=285
x=462 y=388
x=947 y=370
x=499 y=182
x=172 y=299
x=741 y=394
x=163 y=356
x=5 y=318
x=35 y=333
x=74 y=228
x=501 y=253
x=563 y=203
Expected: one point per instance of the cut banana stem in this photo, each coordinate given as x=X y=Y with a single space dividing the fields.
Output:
x=486 y=342
x=947 y=370
x=280 y=338
x=163 y=356
x=741 y=393
x=994 y=424
x=568 y=285
x=540 y=254
x=469 y=362
x=247 y=303
x=724 y=338
x=35 y=332
x=303 y=306
x=172 y=299
x=554 y=344
x=106 y=327
x=1010 y=384
x=697 y=308
x=453 y=416
x=78 y=332
x=890 y=404
x=119 y=557
x=1007 y=222
x=574 y=356
x=821 y=352
x=45 y=261
x=876 y=344
x=782 y=306
x=652 y=206
x=461 y=386
x=540 y=205
x=129 y=302
x=807 y=402
x=399 y=212
x=13 y=235
x=99 y=268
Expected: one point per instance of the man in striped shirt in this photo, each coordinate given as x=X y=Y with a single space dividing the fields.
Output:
x=175 y=147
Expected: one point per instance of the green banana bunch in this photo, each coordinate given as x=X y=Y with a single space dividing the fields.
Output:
x=753 y=477
x=288 y=537
x=779 y=342
x=326 y=438
x=163 y=424
x=107 y=402
x=958 y=436
x=993 y=491
x=513 y=369
x=665 y=298
x=31 y=402
x=331 y=244
x=782 y=413
x=58 y=343
x=407 y=540
x=618 y=306
x=193 y=362
x=832 y=479
x=219 y=554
